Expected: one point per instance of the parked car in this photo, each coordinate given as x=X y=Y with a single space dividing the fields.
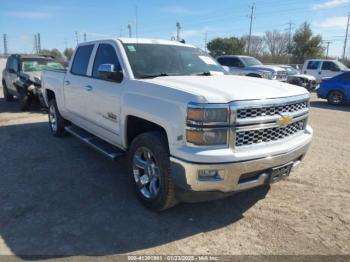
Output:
x=322 y=68
x=336 y=89
x=250 y=66
x=294 y=77
x=21 y=77
x=190 y=132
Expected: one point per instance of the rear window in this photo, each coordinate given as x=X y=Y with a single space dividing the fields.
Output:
x=81 y=60
x=313 y=65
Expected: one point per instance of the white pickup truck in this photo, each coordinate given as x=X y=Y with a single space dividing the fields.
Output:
x=191 y=132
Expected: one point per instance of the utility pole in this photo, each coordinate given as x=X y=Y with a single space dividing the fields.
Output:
x=39 y=42
x=178 y=28
x=65 y=43
x=346 y=37
x=250 y=27
x=290 y=24
x=129 y=28
x=5 y=45
x=328 y=43
x=84 y=37
x=76 y=37
x=121 y=32
x=205 y=41
x=35 y=44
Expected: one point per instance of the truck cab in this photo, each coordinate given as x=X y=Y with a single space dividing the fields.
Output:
x=250 y=66
x=191 y=132
x=323 y=68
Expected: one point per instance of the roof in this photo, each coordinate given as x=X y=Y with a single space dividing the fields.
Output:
x=33 y=56
x=141 y=41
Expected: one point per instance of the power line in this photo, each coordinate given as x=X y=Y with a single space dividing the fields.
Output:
x=250 y=27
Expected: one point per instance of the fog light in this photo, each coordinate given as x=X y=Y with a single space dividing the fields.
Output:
x=210 y=175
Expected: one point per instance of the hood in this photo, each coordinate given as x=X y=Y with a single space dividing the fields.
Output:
x=269 y=68
x=227 y=88
x=34 y=76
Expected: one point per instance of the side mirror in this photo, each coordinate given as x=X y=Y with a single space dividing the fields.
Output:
x=107 y=72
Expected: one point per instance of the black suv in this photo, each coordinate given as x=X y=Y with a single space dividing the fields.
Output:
x=21 y=77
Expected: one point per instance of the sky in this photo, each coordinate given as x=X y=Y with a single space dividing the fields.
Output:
x=58 y=21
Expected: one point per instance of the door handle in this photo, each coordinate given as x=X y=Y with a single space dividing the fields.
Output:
x=88 y=88
x=66 y=83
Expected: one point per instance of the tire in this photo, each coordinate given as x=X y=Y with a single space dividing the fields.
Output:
x=149 y=170
x=336 y=98
x=23 y=99
x=7 y=95
x=56 y=121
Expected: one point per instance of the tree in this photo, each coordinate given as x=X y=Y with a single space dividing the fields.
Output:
x=68 y=52
x=257 y=45
x=54 y=53
x=306 y=45
x=228 y=46
x=276 y=42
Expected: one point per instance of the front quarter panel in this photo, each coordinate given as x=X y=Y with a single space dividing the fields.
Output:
x=161 y=105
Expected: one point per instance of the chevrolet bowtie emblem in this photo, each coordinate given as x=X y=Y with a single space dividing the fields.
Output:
x=284 y=120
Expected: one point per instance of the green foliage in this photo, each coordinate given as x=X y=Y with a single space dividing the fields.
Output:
x=225 y=46
x=68 y=52
x=54 y=53
x=306 y=45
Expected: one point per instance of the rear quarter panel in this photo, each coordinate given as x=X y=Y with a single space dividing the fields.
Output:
x=53 y=80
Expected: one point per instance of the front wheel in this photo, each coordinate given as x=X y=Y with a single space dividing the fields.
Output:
x=23 y=99
x=149 y=169
x=56 y=121
x=335 y=98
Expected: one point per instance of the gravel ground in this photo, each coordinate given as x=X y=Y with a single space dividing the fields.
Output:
x=60 y=198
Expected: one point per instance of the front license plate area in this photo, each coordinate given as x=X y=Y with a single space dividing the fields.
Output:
x=279 y=173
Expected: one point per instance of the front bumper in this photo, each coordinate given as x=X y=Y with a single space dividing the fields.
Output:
x=236 y=176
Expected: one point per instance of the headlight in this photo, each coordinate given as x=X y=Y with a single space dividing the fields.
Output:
x=207 y=124
x=266 y=75
x=207 y=137
x=207 y=114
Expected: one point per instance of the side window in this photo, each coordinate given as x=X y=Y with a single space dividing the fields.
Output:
x=223 y=61
x=313 y=65
x=81 y=60
x=236 y=62
x=105 y=55
x=327 y=65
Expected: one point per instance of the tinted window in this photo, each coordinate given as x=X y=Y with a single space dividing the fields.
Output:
x=329 y=66
x=81 y=60
x=105 y=55
x=230 y=61
x=313 y=65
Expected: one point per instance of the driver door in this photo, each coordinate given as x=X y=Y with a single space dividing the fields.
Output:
x=329 y=69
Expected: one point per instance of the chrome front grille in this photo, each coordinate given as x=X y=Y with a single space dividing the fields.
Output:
x=270 y=110
x=258 y=122
x=250 y=137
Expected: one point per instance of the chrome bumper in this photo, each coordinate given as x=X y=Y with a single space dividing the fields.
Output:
x=185 y=174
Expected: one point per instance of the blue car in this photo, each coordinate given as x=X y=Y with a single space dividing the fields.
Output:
x=336 y=90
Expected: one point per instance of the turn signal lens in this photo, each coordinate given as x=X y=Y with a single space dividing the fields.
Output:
x=204 y=137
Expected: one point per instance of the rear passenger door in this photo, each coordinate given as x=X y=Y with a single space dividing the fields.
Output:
x=76 y=84
x=314 y=68
x=103 y=106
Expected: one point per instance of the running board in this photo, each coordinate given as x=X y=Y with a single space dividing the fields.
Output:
x=100 y=145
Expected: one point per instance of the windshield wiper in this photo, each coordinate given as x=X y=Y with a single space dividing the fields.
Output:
x=153 y=76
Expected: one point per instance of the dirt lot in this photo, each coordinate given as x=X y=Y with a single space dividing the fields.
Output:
x=60 y=198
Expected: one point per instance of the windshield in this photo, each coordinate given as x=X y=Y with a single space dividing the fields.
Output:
x=342 y=66
x=31 y=65
x=250 y=61
x=149 y=60
x=291 y=71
